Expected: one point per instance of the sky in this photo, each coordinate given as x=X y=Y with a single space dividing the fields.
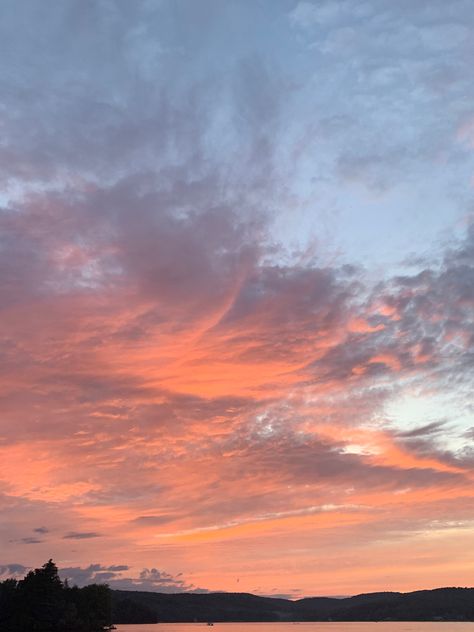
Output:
x=237 y=293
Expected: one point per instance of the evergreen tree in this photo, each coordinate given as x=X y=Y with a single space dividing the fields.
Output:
x=41 y=602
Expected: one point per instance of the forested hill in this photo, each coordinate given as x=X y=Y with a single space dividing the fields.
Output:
x=448 y=604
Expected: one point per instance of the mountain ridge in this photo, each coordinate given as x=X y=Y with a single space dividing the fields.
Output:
x=439 y=604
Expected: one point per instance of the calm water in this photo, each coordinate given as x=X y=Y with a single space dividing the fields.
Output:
x=304 y=627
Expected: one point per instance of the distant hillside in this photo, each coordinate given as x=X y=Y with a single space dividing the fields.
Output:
x=448 y=604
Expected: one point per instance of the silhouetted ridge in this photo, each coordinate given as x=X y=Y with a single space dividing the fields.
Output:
x=449 y=604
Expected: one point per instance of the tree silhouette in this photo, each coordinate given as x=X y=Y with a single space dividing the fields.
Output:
x=41 y=602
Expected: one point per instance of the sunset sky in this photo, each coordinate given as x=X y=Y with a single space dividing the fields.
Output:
x=237 y=293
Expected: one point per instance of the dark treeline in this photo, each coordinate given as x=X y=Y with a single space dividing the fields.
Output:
x=443 y=604
x=41 y=602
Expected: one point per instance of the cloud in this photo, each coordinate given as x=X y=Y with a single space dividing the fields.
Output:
x=153 y=520
x=16 y=571
x=184 y=374
x=84 y=535
x=428 y=429
x=147 y=579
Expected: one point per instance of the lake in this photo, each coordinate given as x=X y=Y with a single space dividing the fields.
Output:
x=416 y=626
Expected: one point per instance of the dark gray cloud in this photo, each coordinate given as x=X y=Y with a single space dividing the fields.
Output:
x=118 y=568
x=154 y=520
x=428 y=429
x=81 y=535
x=469 y=434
